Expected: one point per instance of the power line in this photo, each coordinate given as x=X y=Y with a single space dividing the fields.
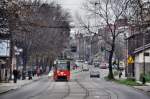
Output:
x=61 y=27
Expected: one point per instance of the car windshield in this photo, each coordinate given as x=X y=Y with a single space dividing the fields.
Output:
x=95 y=71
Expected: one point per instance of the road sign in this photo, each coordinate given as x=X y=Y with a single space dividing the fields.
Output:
x=130 y=60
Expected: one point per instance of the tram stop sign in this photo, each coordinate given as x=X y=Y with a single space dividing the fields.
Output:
x=130 y=60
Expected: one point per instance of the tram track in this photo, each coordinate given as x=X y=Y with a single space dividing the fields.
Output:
x=68 y=94
x=68 y=91
x=43 y=91
x=106 y=90
x=87 y=94
x=109 y=94
x=50 y=91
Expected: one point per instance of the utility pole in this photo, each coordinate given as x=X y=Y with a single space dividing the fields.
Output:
x=144 y=81
x=126 y=54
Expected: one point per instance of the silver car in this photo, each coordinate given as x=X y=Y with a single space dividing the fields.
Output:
x=94 y=73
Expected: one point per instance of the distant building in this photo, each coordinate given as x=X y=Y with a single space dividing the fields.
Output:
x=5 y=60
x=80 y=46
x=87 y=46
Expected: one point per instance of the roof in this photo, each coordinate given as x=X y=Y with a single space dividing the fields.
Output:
x=2 y=61
x=140 y=49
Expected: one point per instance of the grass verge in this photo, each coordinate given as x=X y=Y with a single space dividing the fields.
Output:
x=129 y=82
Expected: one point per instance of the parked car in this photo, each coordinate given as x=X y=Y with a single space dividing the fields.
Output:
x=95 y=73
x=96 y=64
x=103 y=66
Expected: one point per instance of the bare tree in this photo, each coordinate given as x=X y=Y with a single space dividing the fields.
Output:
x=109 y=12
x=41 y=30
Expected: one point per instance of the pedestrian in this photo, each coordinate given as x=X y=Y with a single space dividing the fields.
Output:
x=15 y=73
x=120 y=74
x=19 y=74
x=38 y=72
x=30 y=75
x=23 y=74
x=34 y=72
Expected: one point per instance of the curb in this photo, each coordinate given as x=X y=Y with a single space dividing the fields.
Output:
x=19 y=86
x=141 y=90
x=6 y=91
x=137 y=89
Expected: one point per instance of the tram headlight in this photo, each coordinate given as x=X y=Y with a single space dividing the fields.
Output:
x=64 y=74
x=58 y=72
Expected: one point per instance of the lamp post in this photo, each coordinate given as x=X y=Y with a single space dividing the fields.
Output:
x=126 y=54
x=144 y=81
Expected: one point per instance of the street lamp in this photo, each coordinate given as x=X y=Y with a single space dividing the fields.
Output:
x=126 y=54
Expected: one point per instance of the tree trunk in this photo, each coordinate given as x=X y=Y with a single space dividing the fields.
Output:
x=118 y=61
x=110 y=75
x=25 y=58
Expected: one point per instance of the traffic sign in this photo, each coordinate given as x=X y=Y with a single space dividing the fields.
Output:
x=130 y=60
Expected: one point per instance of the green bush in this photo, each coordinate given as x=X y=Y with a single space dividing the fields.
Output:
x=131 y=79
x=141 y=76
x=147 y=77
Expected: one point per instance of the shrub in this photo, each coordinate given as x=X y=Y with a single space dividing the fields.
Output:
x=129 y=82
x=147 y=77
x=131 y=79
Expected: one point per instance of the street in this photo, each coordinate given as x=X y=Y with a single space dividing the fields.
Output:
x=101 y=48
x=81 y=86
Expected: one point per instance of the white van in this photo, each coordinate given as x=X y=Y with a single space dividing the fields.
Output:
x=85 y=67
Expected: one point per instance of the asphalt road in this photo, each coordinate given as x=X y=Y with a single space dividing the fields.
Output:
x=81 y=86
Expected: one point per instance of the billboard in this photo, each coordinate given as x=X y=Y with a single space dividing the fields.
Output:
x=4 y=48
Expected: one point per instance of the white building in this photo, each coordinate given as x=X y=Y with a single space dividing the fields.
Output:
x=140 y=59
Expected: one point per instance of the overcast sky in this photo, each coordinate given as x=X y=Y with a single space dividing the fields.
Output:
x=73 y=6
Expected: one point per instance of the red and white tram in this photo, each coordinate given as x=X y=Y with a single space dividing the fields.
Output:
x=62 y=70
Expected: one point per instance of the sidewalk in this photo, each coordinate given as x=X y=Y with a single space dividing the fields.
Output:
x=145 y=88
x=5 y=87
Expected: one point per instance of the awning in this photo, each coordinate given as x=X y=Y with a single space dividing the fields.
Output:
x=2 y=61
